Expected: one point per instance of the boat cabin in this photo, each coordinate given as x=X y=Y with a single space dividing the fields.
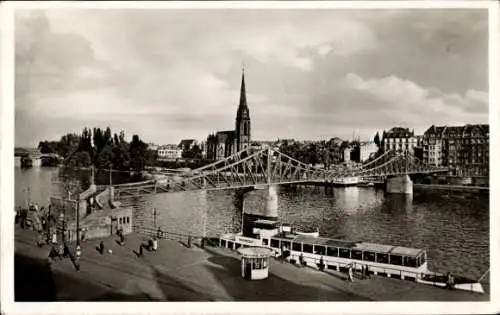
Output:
x=341 y=253
x=265 y=228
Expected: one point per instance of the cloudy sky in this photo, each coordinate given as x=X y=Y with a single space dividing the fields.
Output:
x=310 y=74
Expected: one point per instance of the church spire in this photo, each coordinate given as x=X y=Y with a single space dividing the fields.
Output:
x=243 y=94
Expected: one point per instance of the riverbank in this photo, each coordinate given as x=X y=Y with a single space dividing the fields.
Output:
x=456 y=188
x=178 y=273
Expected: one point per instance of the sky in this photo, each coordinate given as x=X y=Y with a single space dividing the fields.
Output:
x=172 y=74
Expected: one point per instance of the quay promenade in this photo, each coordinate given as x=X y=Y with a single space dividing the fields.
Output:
x=178 y=273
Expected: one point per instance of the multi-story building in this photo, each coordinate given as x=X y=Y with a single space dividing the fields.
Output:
x=463 y=149
x=466 y=150
x=432 y=144
x=169 y=152
x=399 y=139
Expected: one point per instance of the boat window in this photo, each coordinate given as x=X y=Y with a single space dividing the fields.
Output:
x=285 y=244
x=344 y=253
x=357 y=254
x=257 y=263
x=396 y=260
x=307 y=248
x=223 y=243
x=332 y=251
x=264 y=263
x=265 y=241
x=237 y=245
x=230 y=244
x=382 y=258
x=275 y=243
x=410 y=262
x=369 y=256
x=297 y=247
x=320 y=250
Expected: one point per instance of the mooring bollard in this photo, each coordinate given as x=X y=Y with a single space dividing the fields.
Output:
x=189 y=241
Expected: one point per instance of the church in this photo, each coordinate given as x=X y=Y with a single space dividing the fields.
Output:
x=225 y=143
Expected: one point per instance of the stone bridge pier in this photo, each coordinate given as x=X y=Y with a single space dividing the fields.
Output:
x=270 y=207
x=401 y=184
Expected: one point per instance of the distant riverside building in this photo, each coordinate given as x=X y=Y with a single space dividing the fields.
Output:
x=347 y=154
x=399 y=139
x=366 y=150
x=463 y=149
x=432 y=143
x=225 y=143
x=188 y=144
x=169 y=152
x=153 y=147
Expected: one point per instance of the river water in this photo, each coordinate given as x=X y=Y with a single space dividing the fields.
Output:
x=454 y=228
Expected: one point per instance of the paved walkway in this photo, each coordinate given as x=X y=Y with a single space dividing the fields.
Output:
x=178 y=273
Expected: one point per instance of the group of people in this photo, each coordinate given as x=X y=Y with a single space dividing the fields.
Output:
x=364 y=273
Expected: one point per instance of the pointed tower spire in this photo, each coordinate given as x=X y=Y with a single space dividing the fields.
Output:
x=243 y=94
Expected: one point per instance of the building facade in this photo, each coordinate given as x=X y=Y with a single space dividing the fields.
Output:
x=463 y=149
x=169 y=152
x=432 y=144
x=399 y=139
x=366 y=150
x=225 y=143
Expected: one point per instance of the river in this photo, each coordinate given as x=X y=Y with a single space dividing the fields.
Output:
x=454 y=228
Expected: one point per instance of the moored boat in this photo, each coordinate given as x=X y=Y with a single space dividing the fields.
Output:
x=346 y=181
x=310 y=249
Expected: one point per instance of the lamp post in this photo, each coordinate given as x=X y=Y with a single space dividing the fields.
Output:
x=62 y=228
x=78 y=221
x=110 y=174
x=155 y=213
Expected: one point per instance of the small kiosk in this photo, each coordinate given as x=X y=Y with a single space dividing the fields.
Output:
x=255 y=262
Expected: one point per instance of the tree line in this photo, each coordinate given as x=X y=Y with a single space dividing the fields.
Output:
x=108 y=150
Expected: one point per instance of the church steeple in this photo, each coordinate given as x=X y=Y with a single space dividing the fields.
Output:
x=243 y=97
x=243 y=133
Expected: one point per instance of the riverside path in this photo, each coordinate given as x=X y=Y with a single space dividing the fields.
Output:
x=178 y=273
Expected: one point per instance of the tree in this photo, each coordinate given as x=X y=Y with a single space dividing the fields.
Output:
x=138 y=151
x=47 y=147
x=106 y=157
x=377 y=139
x=193 y=153
x=80 y=159
x=326 y=158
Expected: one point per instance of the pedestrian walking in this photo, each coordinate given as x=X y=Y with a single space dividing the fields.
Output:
x=141 y=250
x=101 y=247
x=349 y=275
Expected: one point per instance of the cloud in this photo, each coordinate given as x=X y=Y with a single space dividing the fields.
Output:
x=173 y=74
x=404 y=95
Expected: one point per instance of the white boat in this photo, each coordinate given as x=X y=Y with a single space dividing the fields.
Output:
x=309 y=249
x=346 y=181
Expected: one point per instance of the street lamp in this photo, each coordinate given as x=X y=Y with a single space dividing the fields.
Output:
x=155 y=213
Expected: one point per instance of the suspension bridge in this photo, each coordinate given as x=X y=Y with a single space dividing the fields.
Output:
x=252 y=168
